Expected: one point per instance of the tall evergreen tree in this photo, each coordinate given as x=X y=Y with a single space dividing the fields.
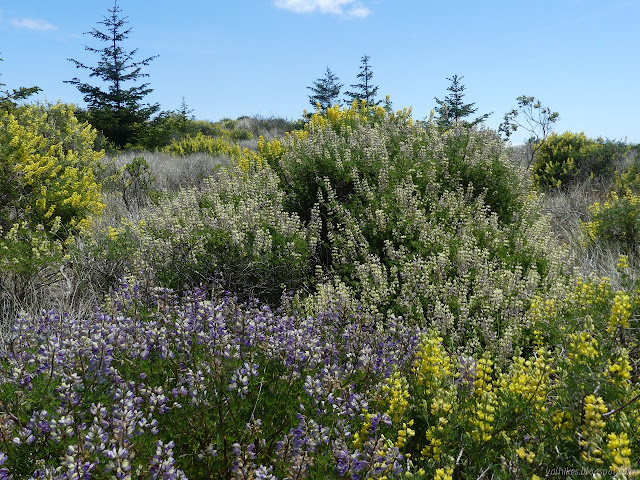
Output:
x=326 y=91
x=116 y=110
x=364 y=90
x=453 y=109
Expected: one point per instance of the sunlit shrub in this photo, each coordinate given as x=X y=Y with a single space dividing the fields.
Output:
x=47 y=187
x=434 y=226
x=563 y=159
x=240 y=134
x=200 y=143
x=234 y=228
x=49 y=161
x=616 y=221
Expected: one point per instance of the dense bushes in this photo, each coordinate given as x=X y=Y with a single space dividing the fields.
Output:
x=563 y=159
x=429 y=327
x=573 y=400
x=434 y=226
x=616 y=221
x=47 y=187
x=392 y=217
x=234 y=228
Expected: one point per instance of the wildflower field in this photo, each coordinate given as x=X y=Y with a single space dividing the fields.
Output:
x=367 y=296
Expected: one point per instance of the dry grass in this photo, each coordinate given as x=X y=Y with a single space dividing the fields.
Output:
x=173 y=172
x=568 y=209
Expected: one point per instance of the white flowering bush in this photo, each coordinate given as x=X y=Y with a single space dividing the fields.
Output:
x=437 y=227
x=233 y=228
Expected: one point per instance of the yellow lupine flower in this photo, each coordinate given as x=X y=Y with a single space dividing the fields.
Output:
x=444 y=474
x=620 y=312
x=619 y=451
x=592 y=430
x=396 y=389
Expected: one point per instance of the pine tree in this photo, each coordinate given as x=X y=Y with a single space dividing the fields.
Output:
x=9 y=99
x=452 y=109
x=116 y=111
x=364 y=90
x=326 y=91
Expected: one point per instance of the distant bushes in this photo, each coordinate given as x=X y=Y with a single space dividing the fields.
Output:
x=564 y=159
x=616 y=221
x=200 y=143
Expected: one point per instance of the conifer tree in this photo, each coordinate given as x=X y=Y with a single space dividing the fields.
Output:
x=9 y=99
x=326 y=91
x=453 y=109
x=364 y=90
x=115 y=109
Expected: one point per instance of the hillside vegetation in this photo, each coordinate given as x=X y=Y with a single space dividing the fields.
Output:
x=363 y=296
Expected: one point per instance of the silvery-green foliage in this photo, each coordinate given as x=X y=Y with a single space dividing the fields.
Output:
x=436 y=226
x=233 y=228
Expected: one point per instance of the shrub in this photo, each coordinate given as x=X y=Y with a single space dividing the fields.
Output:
x=233 y=228
x=48 y=189
x=411 y=221
x=240 y=134
x=616 y=221
x=565 y=159
x=201 y=143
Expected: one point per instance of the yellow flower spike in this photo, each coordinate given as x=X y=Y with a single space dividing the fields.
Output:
x=620 y=312
x=619 y=451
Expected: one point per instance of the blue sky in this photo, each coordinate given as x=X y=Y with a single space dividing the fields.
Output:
x=256 y=57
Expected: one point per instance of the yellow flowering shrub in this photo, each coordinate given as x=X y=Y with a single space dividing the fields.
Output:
x=204 y=144
x=574 y=399
x=48 y=188
x=50 y=161
x=617 y=221
x=563 y=159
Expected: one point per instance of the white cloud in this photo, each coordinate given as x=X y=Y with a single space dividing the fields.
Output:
x=33 y=24
x=354 y=8
x=359 y=11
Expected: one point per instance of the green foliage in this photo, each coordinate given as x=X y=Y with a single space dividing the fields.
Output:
x=629 y=179
x=238 y=134
x=117 y=112
x=435 y=226
x=568 y=158
x=325 y=91
x=364 y=90
x=452 y=109
x=48 y=162
x=616 y=221
x=48 y=189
